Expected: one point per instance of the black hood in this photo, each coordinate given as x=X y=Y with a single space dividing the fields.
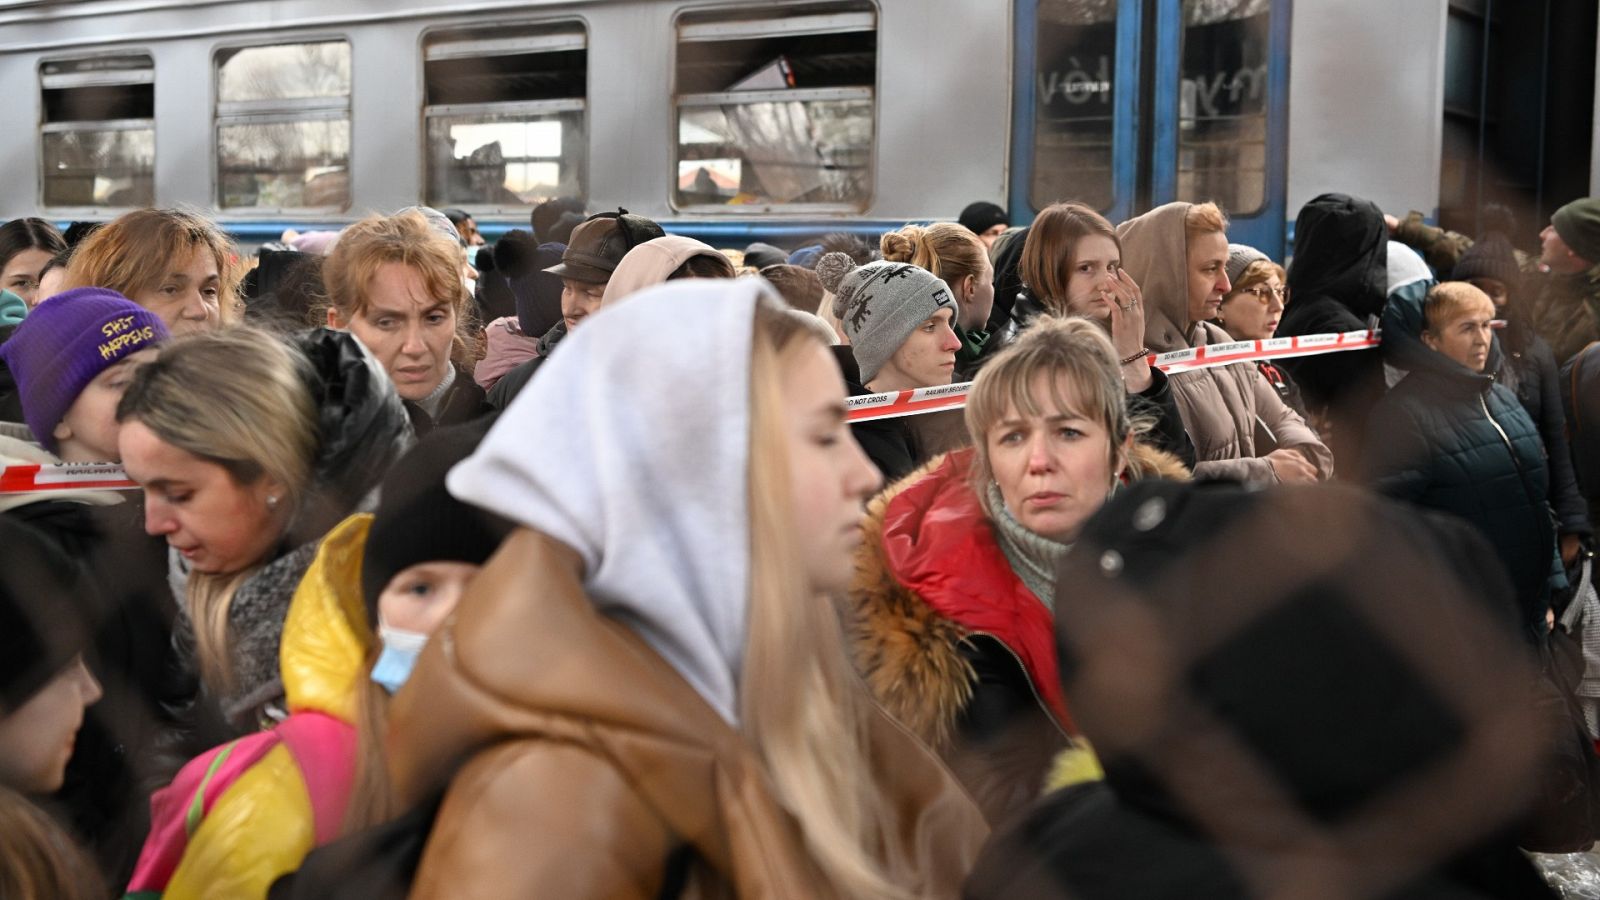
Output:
x=1340 y=252
x=1266 y=669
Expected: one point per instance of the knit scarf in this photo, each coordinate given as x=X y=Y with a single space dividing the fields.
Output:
x=1032 y=556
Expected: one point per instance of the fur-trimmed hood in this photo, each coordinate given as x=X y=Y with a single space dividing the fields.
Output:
x=909 y=652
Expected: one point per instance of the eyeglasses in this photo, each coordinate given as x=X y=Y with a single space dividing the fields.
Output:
x=1265 y=293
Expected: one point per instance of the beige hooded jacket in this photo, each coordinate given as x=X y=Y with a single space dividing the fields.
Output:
x=1225 y=408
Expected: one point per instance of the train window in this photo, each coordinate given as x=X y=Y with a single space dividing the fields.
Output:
x=283 y=127
x=505 y=113
x=98 y=137
x=776 y=108
x=1073 y=112
x=1222 y=104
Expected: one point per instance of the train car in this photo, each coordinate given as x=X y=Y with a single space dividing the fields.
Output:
x=739 y=121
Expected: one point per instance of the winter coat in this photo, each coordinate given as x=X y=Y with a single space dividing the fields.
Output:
x=508 y=348
x=1338 y=282
x=1277 y=736
x=1284 y=384
x=511 y=383
x=1450 y=439
x=269 y=797
x=951 y=641
x=1580 y=395
x=580 y=763
x=1528 y=368
x=462 y=402
x=1221 y=407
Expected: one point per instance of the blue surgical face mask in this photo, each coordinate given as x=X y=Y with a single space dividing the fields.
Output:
x=399 y=656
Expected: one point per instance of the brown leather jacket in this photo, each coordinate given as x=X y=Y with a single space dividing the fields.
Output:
x=580 y=764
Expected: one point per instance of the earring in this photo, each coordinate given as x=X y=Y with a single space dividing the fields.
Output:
x=272 y=500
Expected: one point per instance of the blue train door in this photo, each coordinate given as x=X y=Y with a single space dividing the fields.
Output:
x=1127 y=104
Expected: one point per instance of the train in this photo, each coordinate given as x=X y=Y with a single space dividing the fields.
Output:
x=737 y=121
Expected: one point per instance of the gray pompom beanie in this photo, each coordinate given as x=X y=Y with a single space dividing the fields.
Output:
x=882 y=303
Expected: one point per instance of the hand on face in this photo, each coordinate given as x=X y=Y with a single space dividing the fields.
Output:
x=1127 y=314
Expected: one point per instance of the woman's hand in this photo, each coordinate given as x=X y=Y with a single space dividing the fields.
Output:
x=1291 y=466
x=1127 y=330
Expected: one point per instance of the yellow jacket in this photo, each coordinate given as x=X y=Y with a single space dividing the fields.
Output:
x=241 y=816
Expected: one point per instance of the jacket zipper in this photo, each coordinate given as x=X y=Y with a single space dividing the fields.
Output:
x=1028 y=677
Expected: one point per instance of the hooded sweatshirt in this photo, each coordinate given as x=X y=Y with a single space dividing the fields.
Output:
x=650 y=263
x=1337 y=283
x=1221 y=407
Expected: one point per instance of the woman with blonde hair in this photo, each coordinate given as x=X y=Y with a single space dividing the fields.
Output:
x=1178 y=254
x=248 y=450
x=173 y=262
x=957 y=257
x=951 y=617
x=395 y=283
x=649 y=677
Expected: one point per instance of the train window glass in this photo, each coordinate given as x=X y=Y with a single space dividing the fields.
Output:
x=776 y=108
x=505 y=112
x=1073 y=111
x=98 y=135
x=1222 y=105
x=283 y=127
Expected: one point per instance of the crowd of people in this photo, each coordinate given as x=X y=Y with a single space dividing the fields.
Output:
x=394 y=562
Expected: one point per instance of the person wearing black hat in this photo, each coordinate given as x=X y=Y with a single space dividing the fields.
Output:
x=596 y=247
x=1303 y=691
x=986 y=220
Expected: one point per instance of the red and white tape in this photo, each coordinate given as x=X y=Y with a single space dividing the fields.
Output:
x=34 y=478
x=895 y=404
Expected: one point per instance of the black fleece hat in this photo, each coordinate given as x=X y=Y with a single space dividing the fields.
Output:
x=1492 y=257
x=46 y=616
x=982 y=216
x=1241 y=658
x=417 y=521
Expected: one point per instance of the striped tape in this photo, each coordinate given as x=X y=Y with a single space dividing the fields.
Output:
x=895 y=404
x=34 y=478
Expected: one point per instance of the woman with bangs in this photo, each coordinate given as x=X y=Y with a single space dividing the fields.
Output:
x=952 y=622
x=395 y=283
x=175 y=263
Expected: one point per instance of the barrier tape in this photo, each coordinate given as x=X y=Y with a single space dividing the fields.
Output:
x=35 y=478
x=895 y=404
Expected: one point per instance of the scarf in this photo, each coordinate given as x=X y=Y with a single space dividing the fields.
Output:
x=1032 y=556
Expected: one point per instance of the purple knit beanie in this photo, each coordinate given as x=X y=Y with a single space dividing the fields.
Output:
x=65 y=342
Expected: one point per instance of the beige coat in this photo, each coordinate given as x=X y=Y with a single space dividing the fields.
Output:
x=1223 y=409
x=579 y=763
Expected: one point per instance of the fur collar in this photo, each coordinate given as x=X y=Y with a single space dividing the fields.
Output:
x=908 y=653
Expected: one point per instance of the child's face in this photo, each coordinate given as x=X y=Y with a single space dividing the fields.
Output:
x=1464 y=336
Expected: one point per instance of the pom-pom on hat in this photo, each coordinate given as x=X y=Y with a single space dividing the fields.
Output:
x=68 y=340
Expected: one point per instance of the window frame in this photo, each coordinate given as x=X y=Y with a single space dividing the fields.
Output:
x=805 y=20
x=546 y=35
x=279 y=112
x=146 y=75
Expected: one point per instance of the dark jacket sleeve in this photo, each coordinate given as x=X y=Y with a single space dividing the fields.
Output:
x=1155 y=402
x=888 y=443
x=510 y=384
x=1572 y=515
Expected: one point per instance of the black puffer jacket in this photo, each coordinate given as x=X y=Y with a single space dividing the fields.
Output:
x=1529 y=369
x=1337 y=283
x=1449 y=439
